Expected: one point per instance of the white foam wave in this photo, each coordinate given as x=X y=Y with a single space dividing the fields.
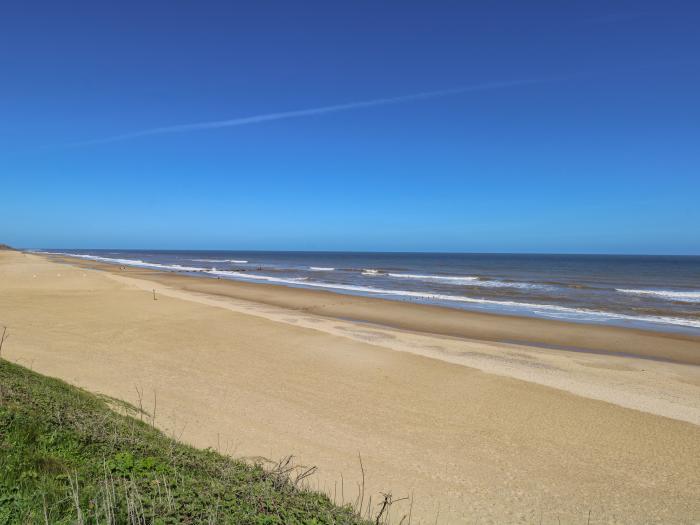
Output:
x=670 y=295
x=237 y=261
x=132 y=262
x=320 y=269
x=370 y=271
x=507 y=284
x=256 y=277
x=446 y=278
x=465 y=279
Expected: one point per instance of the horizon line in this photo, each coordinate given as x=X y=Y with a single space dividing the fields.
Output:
x=374 y=251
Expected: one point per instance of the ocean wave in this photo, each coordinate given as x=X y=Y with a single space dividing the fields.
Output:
x=512 y=284
x=321 y=269
x=237 y=261
x=469 y=280
x=132 y=262
x=670 y=295
x=256 y=277
x=445 y=278
x=370 y=271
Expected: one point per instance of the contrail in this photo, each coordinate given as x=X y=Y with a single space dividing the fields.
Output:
x=256 y=119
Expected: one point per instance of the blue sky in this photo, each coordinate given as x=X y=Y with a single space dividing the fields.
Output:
x=583 y=135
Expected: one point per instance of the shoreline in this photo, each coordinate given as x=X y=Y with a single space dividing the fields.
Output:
x=675 y=315
x=565 y=336
x=634 y=316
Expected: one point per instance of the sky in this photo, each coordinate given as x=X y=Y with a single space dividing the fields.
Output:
x=550 y=127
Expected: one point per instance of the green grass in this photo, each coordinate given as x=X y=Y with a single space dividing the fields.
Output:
x=67 y=457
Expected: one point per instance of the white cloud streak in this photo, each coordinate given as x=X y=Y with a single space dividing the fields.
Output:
x=268 y=117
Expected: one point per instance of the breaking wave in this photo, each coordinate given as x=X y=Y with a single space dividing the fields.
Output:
x=220 y=260
x=467 y=280
x=670 y=295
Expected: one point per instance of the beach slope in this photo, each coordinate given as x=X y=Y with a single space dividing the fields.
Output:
x=469 y=429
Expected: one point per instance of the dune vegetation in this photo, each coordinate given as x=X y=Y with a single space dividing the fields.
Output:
x=68 y=456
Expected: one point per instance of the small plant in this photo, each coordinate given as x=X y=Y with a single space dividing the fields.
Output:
x=3 y=338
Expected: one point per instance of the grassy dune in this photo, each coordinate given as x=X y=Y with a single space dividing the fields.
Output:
x=66 y=456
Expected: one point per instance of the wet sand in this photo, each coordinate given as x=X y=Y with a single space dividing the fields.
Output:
x=477 y=429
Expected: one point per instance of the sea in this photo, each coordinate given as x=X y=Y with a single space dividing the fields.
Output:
x=647 y=292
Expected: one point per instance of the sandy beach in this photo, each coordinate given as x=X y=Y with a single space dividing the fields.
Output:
x=476 y=418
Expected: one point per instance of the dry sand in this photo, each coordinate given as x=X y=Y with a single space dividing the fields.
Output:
x=479 y=431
